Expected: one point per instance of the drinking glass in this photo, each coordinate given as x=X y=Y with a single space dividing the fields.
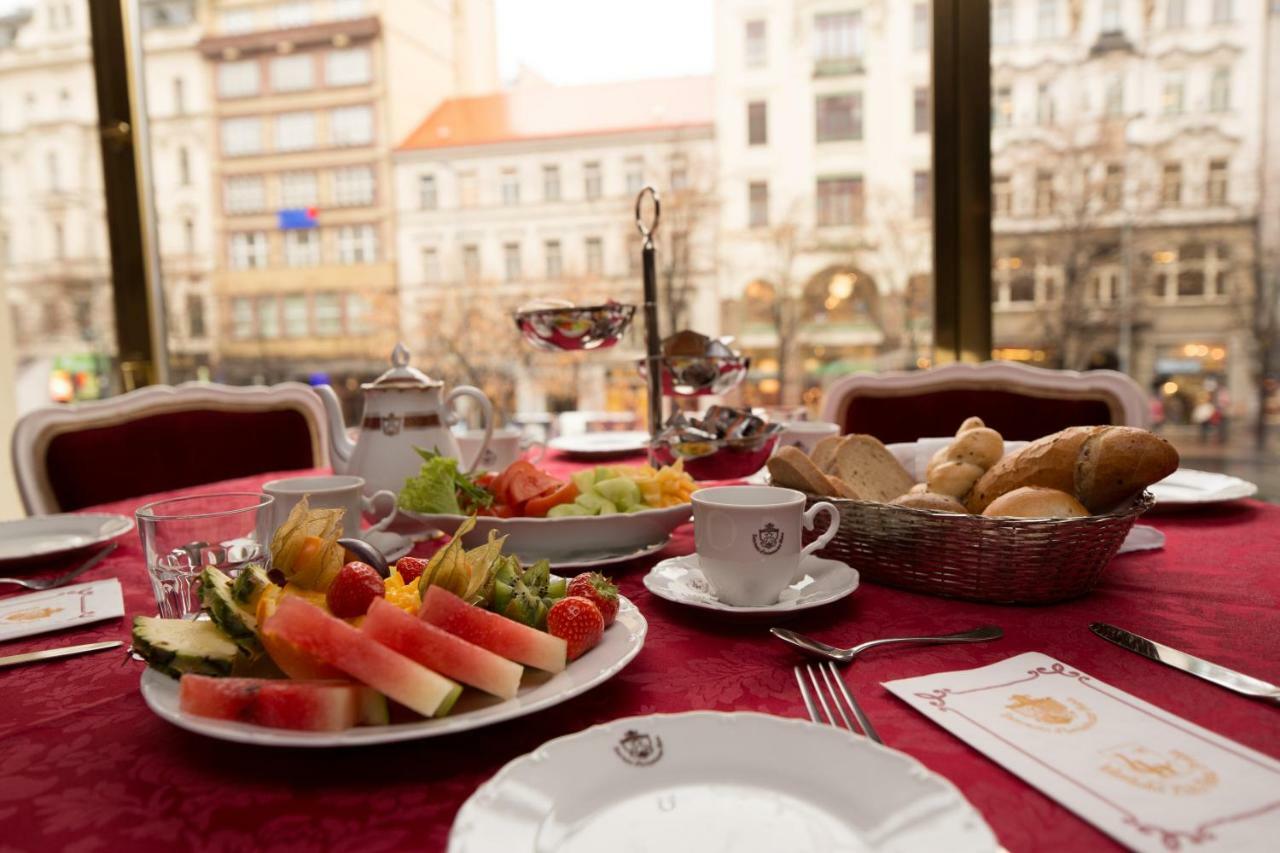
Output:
x=180 y=536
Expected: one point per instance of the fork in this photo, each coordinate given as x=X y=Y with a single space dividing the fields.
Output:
x=826 y=674
x=50 y=583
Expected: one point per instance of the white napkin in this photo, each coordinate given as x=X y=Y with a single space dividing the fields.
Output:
x=55 y=609
x=1150 y=780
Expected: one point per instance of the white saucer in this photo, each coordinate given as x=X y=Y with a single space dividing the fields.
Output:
x=50 y=535
x=680 y=580
x=600 y=445
x=1190 y=487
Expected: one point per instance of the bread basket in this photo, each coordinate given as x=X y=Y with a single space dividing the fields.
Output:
x=973 y=557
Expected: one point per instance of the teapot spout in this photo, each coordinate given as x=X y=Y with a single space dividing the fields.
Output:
x=340 y=446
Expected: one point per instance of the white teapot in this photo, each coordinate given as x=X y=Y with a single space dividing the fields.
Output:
x=403 y=410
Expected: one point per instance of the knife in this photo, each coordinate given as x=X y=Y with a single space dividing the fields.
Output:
x=50 y=654
x=1209 y=671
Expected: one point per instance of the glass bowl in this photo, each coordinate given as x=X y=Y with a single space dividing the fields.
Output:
x=575 y=327
x=699 y=375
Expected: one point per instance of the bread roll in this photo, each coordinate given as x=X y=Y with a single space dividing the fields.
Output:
x=1117 y=463
x=930 y=500
x=791 y=469
x=867 y=467
x=824 y=453
x=974 y=422
x=1036 y=502
x=981 y=446
x=1048 y=462
x=937 y=459
x=954 y=478
x=918 y=489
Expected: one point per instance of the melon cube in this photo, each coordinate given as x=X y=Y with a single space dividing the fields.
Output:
x=312 y=706
x=498 y=634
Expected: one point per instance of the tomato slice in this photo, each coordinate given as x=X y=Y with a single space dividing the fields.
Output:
x=527 y=482
x=537 y=507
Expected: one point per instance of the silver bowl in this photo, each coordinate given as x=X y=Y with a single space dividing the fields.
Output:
x=719 y=459
x=575 y=328
x=699 y=375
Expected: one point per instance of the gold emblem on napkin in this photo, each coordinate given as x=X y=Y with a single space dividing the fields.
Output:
x=1171 y=772
x=1049 y=714
x=33 y=614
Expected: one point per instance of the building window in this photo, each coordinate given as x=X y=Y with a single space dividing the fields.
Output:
x=1002 y=106
x=757 y=204
x=1111 y=16
x=353 y=186
x=555 y=263
x=189 y=236
x=359 y=315
x=839 y=201
x=351 y=126
x=1044 y=105
x=184 y=166
x=241 y=136
x=1222 y=12
x=1171 y=184
x=1023 y=288
x=551 y=183
x=510 y=187
x=234 y=21
x=839 y=117
x=1113 y=97
x=239 y=79
x=837 y=42
x=295 y=14
x=511 y=261
x=920 y=26
x=295 y=316
x=1045 y=200
x=1174 y=92
x=678 y=178
x=344 y=9
x=299 y=189
x=468 y=191
x=757 y=123
x=635 y=175
x=592 y=181
x=348 y=67
x=1113 y=186
x=1001 y=195
x=1220 y=90
x=268 y=317
x=302 y=248
x=595 y=256
x=246 y=194
x=920 y=117
x=1002 y=23
x=431 y=265
x=756 y=49
x=328 y=313
x=1175 y=15
x=248 y=250
x=179 y=98
x=195 y=316
x=1047 y=20
x=293 y=72
x=922 y=194
x=427 y=197
x=295 y=131
x=1217 y=189
x=471 y=264
x=357 y=244
x=241 y=318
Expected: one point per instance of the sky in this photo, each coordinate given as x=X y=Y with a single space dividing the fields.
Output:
x=591 y=41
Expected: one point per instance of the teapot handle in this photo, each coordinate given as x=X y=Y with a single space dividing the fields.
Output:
x=486 y=409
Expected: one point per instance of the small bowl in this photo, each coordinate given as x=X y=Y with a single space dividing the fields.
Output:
x=699 y=375
x=575 y=328
x=719 y=459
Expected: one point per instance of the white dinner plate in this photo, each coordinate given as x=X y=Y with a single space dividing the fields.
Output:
x=600 y=445
x=567 y=539
x=621 y=642
x=679 y=579
x=705 y=780
x=1187 y=487
x=50 y=535
x=608 y=558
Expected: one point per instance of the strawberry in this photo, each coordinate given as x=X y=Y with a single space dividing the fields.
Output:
x=354 y=589
x=600 y=590
x=410 y=568
x=577 y=621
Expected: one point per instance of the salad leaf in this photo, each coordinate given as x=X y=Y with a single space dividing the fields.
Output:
x=439 y=487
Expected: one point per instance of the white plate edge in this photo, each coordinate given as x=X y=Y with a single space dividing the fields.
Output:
x=721 y=607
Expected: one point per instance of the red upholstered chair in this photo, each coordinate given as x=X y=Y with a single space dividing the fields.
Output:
x=164 y=437
x=1019 y=401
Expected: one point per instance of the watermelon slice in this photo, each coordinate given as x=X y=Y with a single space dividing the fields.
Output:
x=498 y=634
x=441 y=651
x=310 y=706
x=336 y=643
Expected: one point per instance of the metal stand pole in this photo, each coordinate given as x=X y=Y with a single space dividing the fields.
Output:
x=653 y=342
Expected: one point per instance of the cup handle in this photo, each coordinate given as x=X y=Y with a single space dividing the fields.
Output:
x=367 y=503
x=486 y=409
x=833 y=527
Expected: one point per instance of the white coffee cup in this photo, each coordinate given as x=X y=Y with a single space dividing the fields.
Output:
x=805 y=434
x=748 y=539
x=336 y=492
x=505 y=446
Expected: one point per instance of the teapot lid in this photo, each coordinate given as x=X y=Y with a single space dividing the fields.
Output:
x=401 y=376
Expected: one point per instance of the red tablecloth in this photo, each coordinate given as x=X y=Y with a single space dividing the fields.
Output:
x=85 y=766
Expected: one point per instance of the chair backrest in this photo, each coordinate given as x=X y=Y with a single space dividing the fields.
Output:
x=164 y=437
x=1021 y=402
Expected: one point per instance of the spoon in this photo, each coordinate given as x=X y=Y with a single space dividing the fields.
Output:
x=822 y=650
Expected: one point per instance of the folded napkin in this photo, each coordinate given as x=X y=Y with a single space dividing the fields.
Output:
x=1151 y=780
x=55 y=609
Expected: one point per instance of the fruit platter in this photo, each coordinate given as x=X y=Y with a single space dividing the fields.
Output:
x=321 y=651
x=600 y=514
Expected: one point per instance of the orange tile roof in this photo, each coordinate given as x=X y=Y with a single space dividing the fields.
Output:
x=543 y=112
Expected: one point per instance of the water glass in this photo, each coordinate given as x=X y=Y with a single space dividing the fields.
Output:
x=180 y=536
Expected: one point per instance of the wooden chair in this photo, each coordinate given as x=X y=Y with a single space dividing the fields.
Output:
x=1019 y=401
x=164 y=437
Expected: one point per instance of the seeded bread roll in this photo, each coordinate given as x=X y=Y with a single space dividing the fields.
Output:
x=1048 y=462
x=930 y=500
x=981 y=446
x=1117 y=463
x=1036 y=502
x=791 y=469
x=974 y=422
x=954 y=478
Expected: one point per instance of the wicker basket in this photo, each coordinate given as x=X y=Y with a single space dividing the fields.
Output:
x=997 y=560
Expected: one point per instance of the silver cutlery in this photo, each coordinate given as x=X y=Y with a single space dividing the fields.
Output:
x=52 y=654
x=1246 y=685
x=51 y=583
x=824 y=683
x=822 y=650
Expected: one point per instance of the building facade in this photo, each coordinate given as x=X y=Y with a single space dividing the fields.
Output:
x=529 y=195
